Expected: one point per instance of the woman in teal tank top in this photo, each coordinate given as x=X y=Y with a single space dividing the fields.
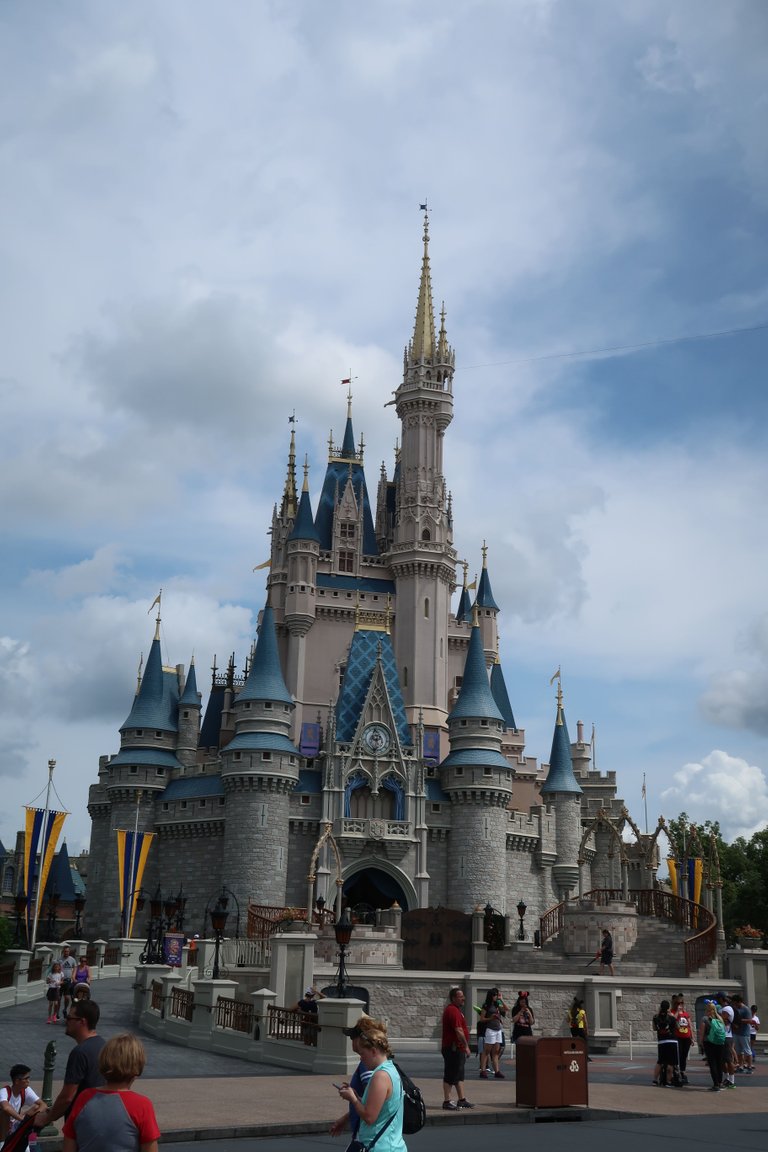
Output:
x=381 y=1106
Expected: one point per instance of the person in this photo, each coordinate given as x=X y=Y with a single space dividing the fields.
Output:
x=360 y=1078
x=492 y=1014
x=683 y=1033
x=713 y=1044
x=726 y=1015
x=17 y=1100
x=740 y=1027
x=308 y=1005
x=113 y=1116
x=577 y=1021
x=754 y=1024
x=68 y=966
x=54 y=981
x=523 y=1018
x=606 y=952
x=82 y=972
x=454 y=1046
x=82 y=1070
x=667 y=1057
x=380 y=1108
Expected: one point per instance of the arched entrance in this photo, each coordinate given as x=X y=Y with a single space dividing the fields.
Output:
x=374 y=888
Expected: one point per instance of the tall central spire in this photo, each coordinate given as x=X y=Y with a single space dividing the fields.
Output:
x=423 y=343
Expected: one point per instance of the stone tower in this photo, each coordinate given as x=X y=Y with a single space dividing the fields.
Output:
x=562 y=791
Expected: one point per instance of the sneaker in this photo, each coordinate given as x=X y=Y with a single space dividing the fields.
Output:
x=499 y=1076
x=715 y=1088
x=747 y=1071
x=449 y=1106
x=464 y=1104
x=683 y=1078
x=483 y=1075
x=728 y=1084
x=655 y=1082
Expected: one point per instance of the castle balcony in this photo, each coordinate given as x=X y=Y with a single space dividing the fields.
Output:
x=357 y=835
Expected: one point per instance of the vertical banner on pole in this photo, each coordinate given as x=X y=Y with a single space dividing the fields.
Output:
x=40 y=834
x=129 y=878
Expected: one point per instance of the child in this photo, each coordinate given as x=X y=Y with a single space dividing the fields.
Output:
x=114 y=1117
x=17 y=1100
x=54 y=980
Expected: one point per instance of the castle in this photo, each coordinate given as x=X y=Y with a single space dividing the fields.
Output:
x=374 y=701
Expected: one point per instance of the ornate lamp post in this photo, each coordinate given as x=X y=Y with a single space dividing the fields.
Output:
x=521 y=907
x=20 y=907
x=79 y=906
x=141 y=899
x=219 y=923
x=343 y=932
x=53 y=905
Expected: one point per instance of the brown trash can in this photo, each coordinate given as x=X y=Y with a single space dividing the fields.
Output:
x=551 y=1072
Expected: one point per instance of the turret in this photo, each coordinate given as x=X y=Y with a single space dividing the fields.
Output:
x=478 y=781
x=488 y=611
x=190 y=706
x=260 y=768
x=562 y=792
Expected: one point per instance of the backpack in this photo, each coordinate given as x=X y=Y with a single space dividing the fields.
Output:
x=414 y=1108
x=683 y=1026
x=716 y=1031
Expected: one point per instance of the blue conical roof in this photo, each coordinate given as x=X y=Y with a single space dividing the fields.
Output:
x=304 y=525
x=560 y=777
x=475 y=699
x=484 y=592
x=265 y=676
x=501 y=696
x=155 y=704
x=464 y=610
x=189 y=695
x=348 y=445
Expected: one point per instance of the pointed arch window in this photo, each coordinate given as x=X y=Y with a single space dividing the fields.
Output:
x=426 y=535
x=426 y=607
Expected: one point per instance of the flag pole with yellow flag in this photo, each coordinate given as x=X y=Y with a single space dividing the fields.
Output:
x=43 y=827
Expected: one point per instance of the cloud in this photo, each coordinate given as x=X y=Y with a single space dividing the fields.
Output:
x=724 y=788
x=738 y=697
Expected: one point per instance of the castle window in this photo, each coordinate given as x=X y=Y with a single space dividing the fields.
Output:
x=166 y=806
x=437 y=807
x=266 y=755
x=221 y=800
x=426 y=607
x=183 y=805
x=304 y=799
x=267 y=703
x=238 y=755
x=346 y=561
x=483 y=723
x=347 y=529
x=460 y=771
x=405 y=676
x=159 y=771
x=139 y=731
x=459 y=681
x=247 y=706
x=426 y=535
x=463 y=723
x=201 y=803
x=133 y=770
x=158 y=735
x=487 y=771
x=185 y=714
x=8 y=879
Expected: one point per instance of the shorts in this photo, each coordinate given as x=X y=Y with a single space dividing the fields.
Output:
x=52 y=994
x=494 y=1037
x=453 y=1066
x=667 y=1052
x=742 y=1045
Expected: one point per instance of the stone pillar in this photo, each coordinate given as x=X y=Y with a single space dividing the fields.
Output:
x=293 y=965
x=334 y=1050
x=146 y=974
x=207 y=993
x=479 y=946
x=262 y=999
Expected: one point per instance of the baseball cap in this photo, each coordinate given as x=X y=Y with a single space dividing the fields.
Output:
x=353 y=1033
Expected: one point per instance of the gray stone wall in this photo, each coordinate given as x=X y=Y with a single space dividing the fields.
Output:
x=190 y=858
x=475 y=872
x=255 y=859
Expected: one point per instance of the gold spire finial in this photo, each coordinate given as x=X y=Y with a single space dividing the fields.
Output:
x=423 y=343
x=305 y=485
x=465 y=566
x=289 y=505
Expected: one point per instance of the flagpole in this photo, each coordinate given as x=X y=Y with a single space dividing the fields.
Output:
x=39 y=894
x=645 y=802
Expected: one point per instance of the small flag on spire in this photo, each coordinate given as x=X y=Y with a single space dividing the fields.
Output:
x=155 y=601
x=266 y=564
x=642 y=794
x=556 y=675
x=348 y=380
x=423 y=207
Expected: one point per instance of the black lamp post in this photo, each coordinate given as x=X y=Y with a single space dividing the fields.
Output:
x=521 y=907
x=153 y=950
x=141 y=899
x=53 y=905
x=79 y=906
x=343 y=932
x=219 y=923
x=20 y=907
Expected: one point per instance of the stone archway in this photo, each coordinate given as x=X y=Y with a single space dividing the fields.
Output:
x=603 y=819
x=378 y=884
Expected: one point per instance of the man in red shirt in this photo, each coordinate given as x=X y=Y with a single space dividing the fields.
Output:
x=455 y=1048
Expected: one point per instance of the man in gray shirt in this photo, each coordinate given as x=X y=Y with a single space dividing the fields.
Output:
x=82 y=1069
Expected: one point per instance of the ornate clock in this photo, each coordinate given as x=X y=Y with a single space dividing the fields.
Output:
x=376 y=739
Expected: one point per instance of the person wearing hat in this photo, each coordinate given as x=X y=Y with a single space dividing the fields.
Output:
x=360 y=1077
x=308 y=1006
x=380 y=1108
x=726 y=1015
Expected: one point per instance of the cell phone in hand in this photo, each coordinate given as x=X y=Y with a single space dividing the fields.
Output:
x=338 y=1087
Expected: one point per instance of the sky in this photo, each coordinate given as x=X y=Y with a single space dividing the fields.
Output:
x=210 y=216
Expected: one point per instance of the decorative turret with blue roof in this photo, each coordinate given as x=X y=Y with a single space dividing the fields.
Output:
x=303 y=554
x=501 y=696
x=345 y=479
x=478 y=780
x=190 y=707
x=304 y=525
x=260 y=769
x=488 y=611
x=464 y=610
x=562 y=792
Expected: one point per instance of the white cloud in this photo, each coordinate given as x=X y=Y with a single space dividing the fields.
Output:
x=723 y=788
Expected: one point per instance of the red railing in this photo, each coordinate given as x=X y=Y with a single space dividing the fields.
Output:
x=6 y=975
x=265 y=919
x=699 y=949
x=234 y=1014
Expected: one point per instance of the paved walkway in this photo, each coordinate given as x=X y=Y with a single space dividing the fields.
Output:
x=203 y=1095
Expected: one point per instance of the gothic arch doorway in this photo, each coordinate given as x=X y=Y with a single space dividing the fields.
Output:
x=374 y=888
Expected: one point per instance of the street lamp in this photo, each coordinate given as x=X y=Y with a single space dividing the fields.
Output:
x=53 y=904
x=141 y=899
x=521 y=907
x=219 y=923
x=342 y=930
x=20 y=907
x=79 y=906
